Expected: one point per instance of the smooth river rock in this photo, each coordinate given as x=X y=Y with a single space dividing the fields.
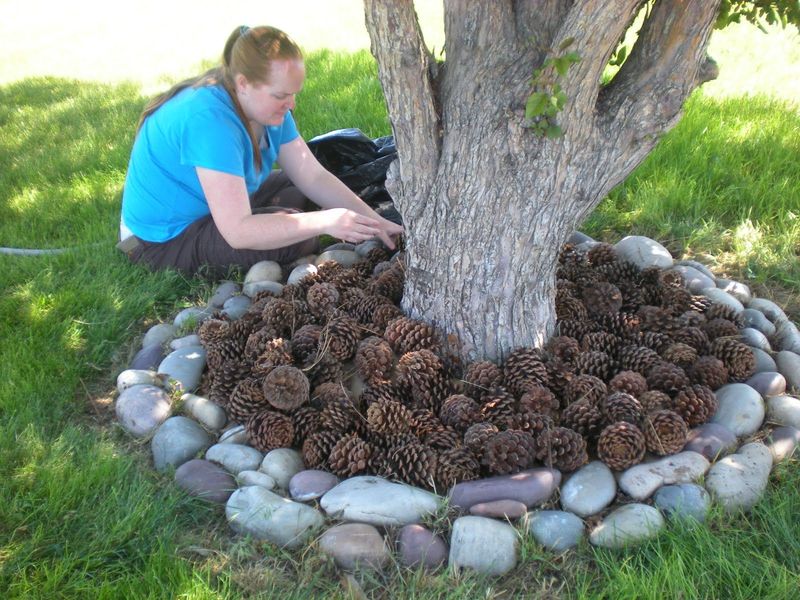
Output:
x=643 y=252
x=758 y=320
x=738 y=290
x=237 y=434
x=265 y=270
x=235 y=307
x=711 y=440
x=148 y=358
x=640 y=481
x=255 y=511
x=589 y=490
x=205 y=480
x=224 y=292
x=771 y=310
x=694 y=279
x=418 y=546
x=784 y=410
x=755 y=339
x=783 y=442
x=254 y=287
x=684 y=501
x=556 y=530
x=159 y=334
x=485 y=545
x=717 y=295
x=738 y=481
x=531 y=487
x=235 y=457
x=142 y=408
x=354 y=545
x=204 y=411
x=741 y=409
x=346 y=258
x=311 y=484
x=191 y=317
x=499 y=509
x=768 y=383
x=256 y=478
x=787 y=337
x=628 y=524
x=282 y=464
x=184 y=367
x=788 y=364
x=764 y=362
x=300 y=272
x=374 y=500
x=177 y=440
x=131 y=377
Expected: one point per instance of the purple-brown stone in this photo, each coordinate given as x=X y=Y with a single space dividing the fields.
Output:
x=531 y=487
x=206 y=480
x=148 y=358
x=311 y=484
x=768 y=383
x=418 y=546
x=499 y=509
x=712 y=440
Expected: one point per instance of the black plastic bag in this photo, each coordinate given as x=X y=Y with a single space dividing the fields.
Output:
x=361 y=163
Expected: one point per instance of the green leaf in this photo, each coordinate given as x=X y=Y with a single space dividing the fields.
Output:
x=536 y=105
x=566 y=43
x=553 y=131
x=562 y=65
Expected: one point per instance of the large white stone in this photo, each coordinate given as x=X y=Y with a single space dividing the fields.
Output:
x=266 y=270
x=142 y=408
x=788 y=364
x=738 y=290
x=738 y=481
x=485 y=545
x=300 y=272
x=282 y=464
x=640 y=481
x=131 y=377
x=184 y=367
x=370 y=499
x=255 y=511
x=204 y=410
x=643 y=252
x=252 y=288
x=235 y=457
x=720 y=297
x=177 y=440
x=589 y=490
x=235 y=307
x=629 y=524
x=784 y=410
x=741 y=409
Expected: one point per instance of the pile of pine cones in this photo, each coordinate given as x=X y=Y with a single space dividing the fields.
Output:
x=633 y=365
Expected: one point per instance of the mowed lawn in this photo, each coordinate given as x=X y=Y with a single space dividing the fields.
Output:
x=82 y=513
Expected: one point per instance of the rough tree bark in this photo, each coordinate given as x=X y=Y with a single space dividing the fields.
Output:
x=486 y=203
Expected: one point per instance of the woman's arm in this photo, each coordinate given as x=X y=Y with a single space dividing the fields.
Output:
x=325 y=190
x=230 y=208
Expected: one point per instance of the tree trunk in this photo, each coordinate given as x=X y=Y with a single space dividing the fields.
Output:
x=486 y=203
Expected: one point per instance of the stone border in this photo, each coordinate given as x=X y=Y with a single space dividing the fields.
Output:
x=273 y=497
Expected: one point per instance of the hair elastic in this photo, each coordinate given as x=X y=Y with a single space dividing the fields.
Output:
x=243 y=29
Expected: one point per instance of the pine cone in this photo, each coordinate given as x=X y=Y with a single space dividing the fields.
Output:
x=323 y=369
x=482 y=377
x=700 y=304
x=224 y=380
x=653 y=401
x=269 y=429
x=656 y=318
x=498 y=407
x=596 y=363
x=228 y=350
x=624 y=325
x=442 y=438
x=340 y=337
x=637 y=358
x=256 y=343
x=576 y=328
x=719 y=328
x=539 y=399
x=508 y=451
x=563 y=348
x=349 y=456
x=584 y=417
x=382 y=316
x=737 y=357
x=602 y=298
x=559 y=374
x=317 y=447
x=476 y=436
x=694 y=337
x=389 y=283
x=338 y=412
x=601 y=341
x=654 y=340
x=306 y=422
x=277 y=352
x=415 y=464
x=667 y=377
x=620 y=406
x=383 y=391
x=322 y=299
x=561 y=448
x=408 y=335
x=630 y=382
x=423 y=372
x=665 y=432
x=213 y=331
x=710 y=371
x=618 y=270
x=601 y=253
x=305 y=342
x=524 y=365
x=245 y=399
x=374 y=359
x=286 y=387
x=454 y=466
x=680 y=354
x=723 y=311
x=568 y=307
x=676 y=300
x=621 y=445
x=529 y=422
x=284 y=317
x=586 y=387
x=459 y=411
x=695 y=404
x=389 y=417
x=691 y=318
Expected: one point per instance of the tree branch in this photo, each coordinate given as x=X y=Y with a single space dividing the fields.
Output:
x=537 y=21
x=404 y=67
x=668 y=61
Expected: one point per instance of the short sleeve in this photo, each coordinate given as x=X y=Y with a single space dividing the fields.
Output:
x=211 y=140
x=288 y=129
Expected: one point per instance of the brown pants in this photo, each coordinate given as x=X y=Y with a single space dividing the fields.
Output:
x=201 y=247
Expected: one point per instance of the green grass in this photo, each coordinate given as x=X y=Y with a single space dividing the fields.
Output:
x=82 y=513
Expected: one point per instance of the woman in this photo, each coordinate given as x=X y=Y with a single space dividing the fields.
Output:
x=199 y=188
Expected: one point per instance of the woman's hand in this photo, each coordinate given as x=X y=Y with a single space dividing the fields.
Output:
x=388 y=231
x=351 y=226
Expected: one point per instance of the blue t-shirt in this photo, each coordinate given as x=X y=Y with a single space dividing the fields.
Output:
x=199 y=127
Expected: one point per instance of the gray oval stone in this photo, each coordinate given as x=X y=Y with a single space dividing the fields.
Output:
x=720 y=297
x=757 y=320
x=341 y=246
x=252 y=288
x=530 y=487
x=485 y=545
x=187 y=340
x=131 y=377
x=142 y=408
x=783 y=442
x=256 y=511
x=300 y=272
x=374 y=500
x=711 y=440
x=419 y=546
x=578 y=237
x=640 y=481
x=686 y=501
x=159 y=334
x=354 y=545
x=787 y=337
x=771 y=310
x=148 y=358
x=555 y=529
x=788 y=363
x=364 y=248
x=265 y=270
x=699 y=266
x=756 y=339
x=235 y=435
x=768 y=383
x=204 y=411
x=224 y=292
x=183 y=368
x=346 y=258
x=589 y=490
x=694 y=279
x=784 y=410
x=738 y=290
x=741 y=409
x=191 y=317
x=764 y=362
x=629 y=524
x=205 y=480
x=256 y=478
x=282 y=464
x=738 y=480
x=235 y=457
x=643 y=252
x=177 y=440
x=235 y=307
x=311 y=484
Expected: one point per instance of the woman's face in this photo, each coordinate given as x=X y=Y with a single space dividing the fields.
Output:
x=268 y=103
